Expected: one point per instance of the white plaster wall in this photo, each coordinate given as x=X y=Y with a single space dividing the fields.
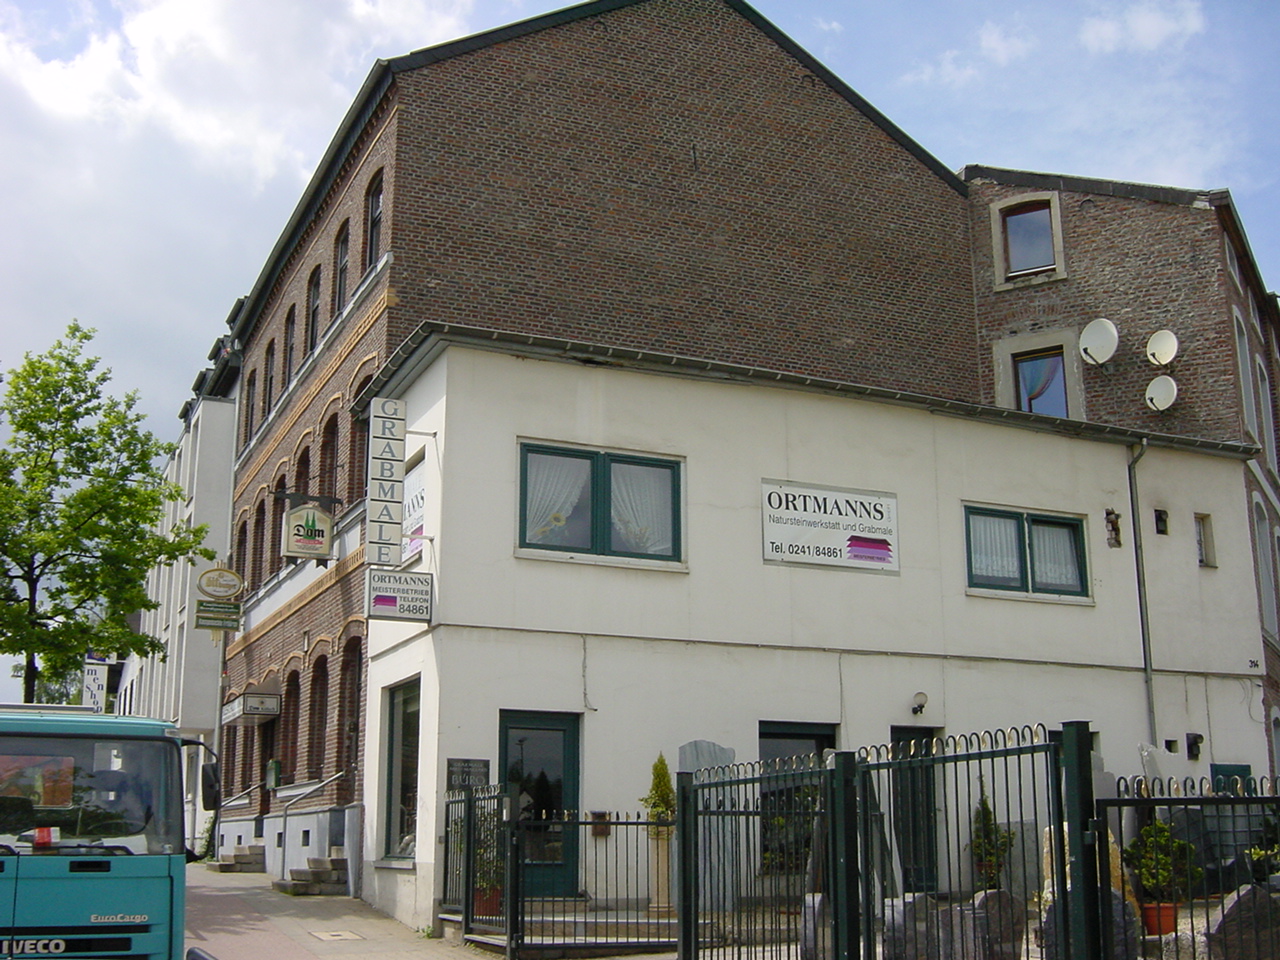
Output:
x=651 y=658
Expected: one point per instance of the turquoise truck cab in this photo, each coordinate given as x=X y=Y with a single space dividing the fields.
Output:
x=92 y=854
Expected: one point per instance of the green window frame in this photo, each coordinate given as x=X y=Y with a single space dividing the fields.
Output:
x=600 y=503
x=1024 y=552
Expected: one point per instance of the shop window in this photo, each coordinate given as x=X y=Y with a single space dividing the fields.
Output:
x=402 y=771
x=1025 y=552
x=581 y=501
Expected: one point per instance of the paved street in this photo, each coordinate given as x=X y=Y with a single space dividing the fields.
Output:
x=237 y=916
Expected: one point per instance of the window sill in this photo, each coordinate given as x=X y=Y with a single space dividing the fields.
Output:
x=406 y=865
x=1031 y=280
x=602 y=560
x=1067 y=599
x=295 y=789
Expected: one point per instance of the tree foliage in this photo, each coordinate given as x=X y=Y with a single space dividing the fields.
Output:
x=82 y=497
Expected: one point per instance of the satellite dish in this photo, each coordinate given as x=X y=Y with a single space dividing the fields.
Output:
x=1098 y=341
x=1162 y=347
x=1162 y=392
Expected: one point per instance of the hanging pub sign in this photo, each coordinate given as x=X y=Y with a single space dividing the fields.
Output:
x=384 y=498
x=307 y=533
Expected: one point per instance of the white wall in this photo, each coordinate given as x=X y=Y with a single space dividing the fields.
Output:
x=651 y=658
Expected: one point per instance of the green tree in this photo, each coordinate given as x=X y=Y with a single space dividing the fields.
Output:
x=82 y=496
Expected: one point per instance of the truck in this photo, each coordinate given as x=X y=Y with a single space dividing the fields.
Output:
x=92 y=850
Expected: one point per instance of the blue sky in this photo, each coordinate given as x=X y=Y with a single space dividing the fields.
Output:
x=153 y=149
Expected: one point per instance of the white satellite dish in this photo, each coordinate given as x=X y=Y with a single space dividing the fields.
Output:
x=1098 y=341
x=1162 y=392
x=1162 y=347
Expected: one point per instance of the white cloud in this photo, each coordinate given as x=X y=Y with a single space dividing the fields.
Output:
x=946 y=72
x=1002 y=47
x=236 y=81
x=828 y=26
x=1143 y=27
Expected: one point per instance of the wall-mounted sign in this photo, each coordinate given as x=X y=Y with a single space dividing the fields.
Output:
x=307 y=533
x=830 y=526
x=415 y=501
x=384 y=498
x=251 y=708
x=398 y=595
x=219 y=583
x=218 y=614
x=463 y=773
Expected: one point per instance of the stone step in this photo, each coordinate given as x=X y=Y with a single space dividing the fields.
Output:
x=318 y=876
x=327 y=863
x=305 y=888
x=222 y=866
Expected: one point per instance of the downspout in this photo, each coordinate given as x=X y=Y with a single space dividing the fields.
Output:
x=1144 y=625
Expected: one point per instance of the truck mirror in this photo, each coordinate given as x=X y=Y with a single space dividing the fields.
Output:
x=211 y=785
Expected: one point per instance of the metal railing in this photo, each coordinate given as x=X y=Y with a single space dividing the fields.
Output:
x=1190 y=864
x=284 y=819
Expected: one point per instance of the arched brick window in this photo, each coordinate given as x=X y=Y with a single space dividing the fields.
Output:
x=318 y=719
x=329 y=459
x=242 y=550
x=358 y=471
x=302 y=472
x=289 y=711
x=351 y=680
x=373 y=222
x=278 y=506
x=268 y=379
x=258 y=550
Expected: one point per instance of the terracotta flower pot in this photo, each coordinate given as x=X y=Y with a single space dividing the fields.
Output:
x=1160 y=918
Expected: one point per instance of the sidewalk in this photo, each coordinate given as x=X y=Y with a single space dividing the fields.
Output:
x=237 y=916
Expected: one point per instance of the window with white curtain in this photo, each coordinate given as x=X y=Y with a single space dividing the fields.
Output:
x=1025 y=552
x=585 y=501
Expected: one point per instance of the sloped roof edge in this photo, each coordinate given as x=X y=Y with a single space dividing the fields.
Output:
x=1106 y=188
x=421 y=348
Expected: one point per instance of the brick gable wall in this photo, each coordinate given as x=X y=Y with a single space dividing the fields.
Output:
x=666 y=178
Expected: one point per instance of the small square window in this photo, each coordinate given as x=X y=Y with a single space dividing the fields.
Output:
x=1028 y=239
x=611 y=504
x=1027 y=553
x=1041 y=382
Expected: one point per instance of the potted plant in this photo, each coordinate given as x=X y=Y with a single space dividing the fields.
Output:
x=989 y=845
x=1165 y=869
x=660 y=805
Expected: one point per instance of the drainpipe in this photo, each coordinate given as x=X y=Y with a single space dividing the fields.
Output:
x=1144 y=625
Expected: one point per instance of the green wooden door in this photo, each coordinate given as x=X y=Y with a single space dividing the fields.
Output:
x=538 y=754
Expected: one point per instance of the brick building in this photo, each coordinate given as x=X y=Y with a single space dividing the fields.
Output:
x=655 y=241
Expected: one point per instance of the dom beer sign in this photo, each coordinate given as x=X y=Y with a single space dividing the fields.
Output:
x=307 y=533
x=830 y=526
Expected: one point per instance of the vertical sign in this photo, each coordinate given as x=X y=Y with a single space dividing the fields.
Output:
x=384 y=499
x=95 y=686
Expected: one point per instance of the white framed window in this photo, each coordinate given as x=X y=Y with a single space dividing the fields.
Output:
x=1267 y=424
x=1026 y=240
x=1025 y=552
x=1205 y=553
x=1040 y=373
x=1262 y=542
x=1246 y=376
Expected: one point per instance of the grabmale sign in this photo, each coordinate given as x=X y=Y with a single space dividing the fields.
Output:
x=384 y=498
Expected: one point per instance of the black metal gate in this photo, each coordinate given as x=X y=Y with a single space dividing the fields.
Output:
x=918 y=849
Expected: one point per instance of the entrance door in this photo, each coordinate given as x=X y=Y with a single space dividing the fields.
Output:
x=538 y=753
x=915 y=815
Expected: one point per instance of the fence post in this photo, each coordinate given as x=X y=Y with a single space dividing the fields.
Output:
x=842 y=887
x=512 y=896
x=1082 y=847
x=687 y=867
x=468 y=860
